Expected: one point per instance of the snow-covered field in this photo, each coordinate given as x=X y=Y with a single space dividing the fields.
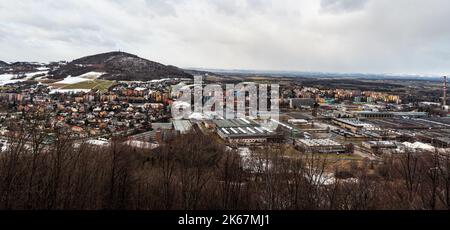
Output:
x=32 y=75
x=10 y=78
x=82 y=78
x=92 y=75
x=160 y=80
x=7 y=79
x=54 y=91
x=72 y=80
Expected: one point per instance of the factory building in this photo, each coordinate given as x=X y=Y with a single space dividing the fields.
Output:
x=354 y=125
x=244 y=132
x=301 y=103
x=377 y=147
x=320 y=146
x=160 y=133
x=438 y=138
x=301 y=122
x=377 y=115
x=182 y=126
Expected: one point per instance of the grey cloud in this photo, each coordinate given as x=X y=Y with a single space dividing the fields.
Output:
x=339 y=6
x=161 y=7
x=407 y=36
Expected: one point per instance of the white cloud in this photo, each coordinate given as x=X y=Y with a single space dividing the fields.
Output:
x=402 y=36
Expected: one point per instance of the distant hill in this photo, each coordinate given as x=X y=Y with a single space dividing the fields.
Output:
x=24 y=67
x=200 y=72
x=20 y=67
x=317 y=75
x=3 y=64
x=119 y=66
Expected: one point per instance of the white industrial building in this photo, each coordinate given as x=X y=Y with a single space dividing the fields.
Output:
x=320 y=146
x=244 y=131
x=182 y=126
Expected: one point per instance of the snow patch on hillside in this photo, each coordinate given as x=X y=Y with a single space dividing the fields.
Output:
x=14 y=78
x=7 y=79
x=92 y=75
x=82 y=78
x=69 y=91
x=29 y=76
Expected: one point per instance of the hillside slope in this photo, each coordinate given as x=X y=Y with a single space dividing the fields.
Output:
x=3 y=64
x=119 y=66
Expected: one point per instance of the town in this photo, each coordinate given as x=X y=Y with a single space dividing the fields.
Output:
x=129 y=133
x=365 y=124
x=224 y=113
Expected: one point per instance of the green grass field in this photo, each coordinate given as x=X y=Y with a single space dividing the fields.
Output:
x=101 y=85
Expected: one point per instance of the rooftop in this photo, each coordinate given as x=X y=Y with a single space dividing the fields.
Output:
x=166 y=126
x=356 y=122
x=242 y=122
x=241 y=128
x=183 y=126
x=318 y=142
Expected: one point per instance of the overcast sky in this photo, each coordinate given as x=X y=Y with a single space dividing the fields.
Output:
x=371 y=36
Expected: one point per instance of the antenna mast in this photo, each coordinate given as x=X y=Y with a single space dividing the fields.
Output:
x=444 y=99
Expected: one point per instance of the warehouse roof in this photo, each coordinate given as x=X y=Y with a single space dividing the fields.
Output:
x=242 y=128
x=319 y=142
x=242 y=122
x=183 y=126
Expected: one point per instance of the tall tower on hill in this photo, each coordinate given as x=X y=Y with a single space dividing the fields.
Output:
x=444 y=98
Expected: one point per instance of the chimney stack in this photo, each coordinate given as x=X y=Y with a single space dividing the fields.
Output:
x=444 y=99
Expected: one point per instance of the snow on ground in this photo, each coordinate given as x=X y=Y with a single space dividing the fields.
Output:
x=10 y=78
x=418 y=146
x=325 y=179
x=31 y=75
x=92 y=75
x=7 y=79
x=82 y=78
x=160 y=80
x=252 y=163
x=245 y=152
x=4 y=145
x=142 y=144
x=43 y=68
x=329 y=179
x=98 y=142
x=54 y=91
x=4 y=148
x=72 y=80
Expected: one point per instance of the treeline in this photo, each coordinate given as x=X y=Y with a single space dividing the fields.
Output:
x=196 y=173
